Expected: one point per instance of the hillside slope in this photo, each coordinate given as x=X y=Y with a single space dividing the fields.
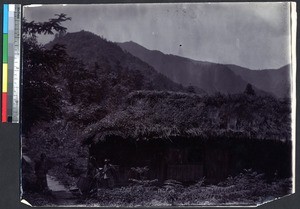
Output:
x=211 y=77
x=276 y=81
x=94 y=50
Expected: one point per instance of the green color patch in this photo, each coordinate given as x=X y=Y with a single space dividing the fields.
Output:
x=5 y=48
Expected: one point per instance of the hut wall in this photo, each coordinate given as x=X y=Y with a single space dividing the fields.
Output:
x=190 y=160
x=216 y=163
x=229 y=157
x=273 y=158
x=182 y=161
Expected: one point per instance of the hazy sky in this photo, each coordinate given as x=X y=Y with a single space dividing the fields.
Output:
x=253 y=35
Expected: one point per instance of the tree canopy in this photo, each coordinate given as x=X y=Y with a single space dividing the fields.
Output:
x=41 y=97
x=249 y=90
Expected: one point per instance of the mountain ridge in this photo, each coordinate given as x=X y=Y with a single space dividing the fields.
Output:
x=194 y=60
x=93 y=50
x=210 y=76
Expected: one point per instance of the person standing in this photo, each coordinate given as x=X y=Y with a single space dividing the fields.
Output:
x=107 y=177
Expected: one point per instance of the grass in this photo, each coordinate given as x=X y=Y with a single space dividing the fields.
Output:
x=248 y=188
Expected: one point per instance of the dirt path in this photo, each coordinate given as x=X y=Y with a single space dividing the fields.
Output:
x=62 y=194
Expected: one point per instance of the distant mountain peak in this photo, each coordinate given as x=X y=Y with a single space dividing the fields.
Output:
x=211 y=77
x=94 y=50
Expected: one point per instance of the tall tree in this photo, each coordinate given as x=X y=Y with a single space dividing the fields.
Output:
x=249 y=90
x=41 y=96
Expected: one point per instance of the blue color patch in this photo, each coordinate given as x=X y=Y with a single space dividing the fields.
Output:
x=5 y=18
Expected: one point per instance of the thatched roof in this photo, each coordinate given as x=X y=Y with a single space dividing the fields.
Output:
x=149 y=115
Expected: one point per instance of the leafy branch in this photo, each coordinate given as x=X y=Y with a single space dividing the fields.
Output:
x=54 y=24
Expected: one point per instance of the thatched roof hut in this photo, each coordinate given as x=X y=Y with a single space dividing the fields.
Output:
x=150 y=115
x=186 y=136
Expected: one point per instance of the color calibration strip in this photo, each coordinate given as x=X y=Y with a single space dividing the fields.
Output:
x=11 y=63
x=5 y=63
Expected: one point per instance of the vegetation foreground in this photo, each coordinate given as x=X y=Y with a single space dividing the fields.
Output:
x=247 y=188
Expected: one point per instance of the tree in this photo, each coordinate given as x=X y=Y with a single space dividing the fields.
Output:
x=191 y=89
x=53 y=25
x=249 y=90
x=41 y=97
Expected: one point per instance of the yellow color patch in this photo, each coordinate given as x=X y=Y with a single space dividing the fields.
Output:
x=4 y=77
